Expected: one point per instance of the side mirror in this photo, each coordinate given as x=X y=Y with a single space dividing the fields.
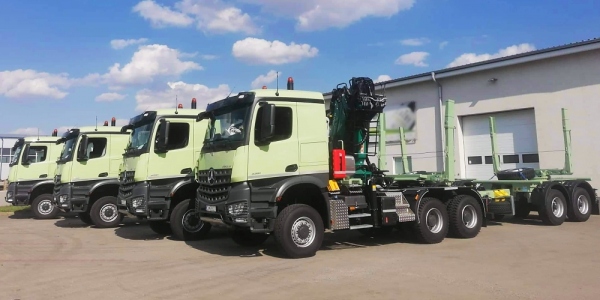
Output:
x=25 y=155
x=126 y=127
x=267 y=124
x=82 y=150
x=162 y=137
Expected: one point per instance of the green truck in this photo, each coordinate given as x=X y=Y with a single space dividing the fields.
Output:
x=30 y=176
x=157 y=182
x=279 y=170
x=87 y=173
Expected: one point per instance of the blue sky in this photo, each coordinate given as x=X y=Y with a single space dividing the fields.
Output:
x=64 y=63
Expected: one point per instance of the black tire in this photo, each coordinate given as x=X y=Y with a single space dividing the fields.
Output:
x=464 y=217
x=85 y=218
x=160 y=227
x=435 y=209
x=303 y=217
x=580 y=207
x=516 y=174
x=246 y=238
x=554 y=209
x=522 y=208
x=43 y=208
x=104 y=212
x=186 y=224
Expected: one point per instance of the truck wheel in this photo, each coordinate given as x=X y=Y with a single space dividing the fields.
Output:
x=43 y=208
x=465 y=216
x=104 y=212
x=299 y=231
x=554 y=209
x=186 y=224
x=434 y=221
x=522 y=208
x=160 y=227
x=579 y=209
x=85 y=218
x=248 y=239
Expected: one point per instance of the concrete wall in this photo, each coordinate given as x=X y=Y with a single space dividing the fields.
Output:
x=572 y=82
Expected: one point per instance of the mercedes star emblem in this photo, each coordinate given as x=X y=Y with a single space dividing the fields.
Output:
x=211 y=176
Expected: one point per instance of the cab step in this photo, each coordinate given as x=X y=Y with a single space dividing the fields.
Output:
x=359 y=215
x=362 y=226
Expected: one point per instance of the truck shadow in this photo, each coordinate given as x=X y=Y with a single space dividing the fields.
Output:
x=225 y=246
x=28 y=214
x=532 y=220
x=138 y=230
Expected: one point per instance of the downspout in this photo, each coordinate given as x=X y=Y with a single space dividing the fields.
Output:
x=1 y=163
x=441 y=116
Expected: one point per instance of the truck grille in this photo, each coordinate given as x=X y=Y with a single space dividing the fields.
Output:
x=214 y=185
x=126 y=179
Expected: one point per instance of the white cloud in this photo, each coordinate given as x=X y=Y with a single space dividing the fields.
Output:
x=148 y=63
x=416 y=59
x=148 y=99
x=118 y=122
x=443 y=44
x=161 y=16
x=209 y=57
x=321 y=14
x=264 y=79
x=469 y=58
x=259 y=51
x=28 y=131
x=382 y=78
x=109 y=97
x=30 y=83
x=414 y=42
x=212 y=16
x=120 y=43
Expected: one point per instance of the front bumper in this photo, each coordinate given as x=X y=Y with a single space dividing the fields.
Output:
x=70 y=198
x=18 y=194
x=143 y=201
x=61 y=197
x=237 y=210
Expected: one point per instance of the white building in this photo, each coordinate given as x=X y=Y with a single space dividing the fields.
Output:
x=524 y=92
x=6 y=143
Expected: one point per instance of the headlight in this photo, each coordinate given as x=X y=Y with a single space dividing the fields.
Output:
x=137 y=203
x=63 y=199
x=237 y=209
x=9 y=197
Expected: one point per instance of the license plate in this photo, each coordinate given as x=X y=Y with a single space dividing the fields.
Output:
x=211 y=208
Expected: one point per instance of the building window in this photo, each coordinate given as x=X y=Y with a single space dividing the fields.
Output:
x=399 y=167
x=510 y=159
x=531 y=158
x=474 y=160
x=5 y=159
x=488 y=159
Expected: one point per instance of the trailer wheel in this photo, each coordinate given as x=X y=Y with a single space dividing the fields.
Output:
x=160 y=227
x=186 y=224
x=43 y=208
x=104 y=212
x=465 y=216
x=580 y=207
x=433 y=225
x=85 y=218
x=554 y=209
x=522 y=208
x=246 y=238
x=299 y=231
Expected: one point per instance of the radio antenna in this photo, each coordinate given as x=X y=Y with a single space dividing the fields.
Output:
x=277 y=92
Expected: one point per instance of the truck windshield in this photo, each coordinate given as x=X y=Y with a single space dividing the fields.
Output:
x=67 y=151
x=139 y=140
x=229 y=125
x=16 y=154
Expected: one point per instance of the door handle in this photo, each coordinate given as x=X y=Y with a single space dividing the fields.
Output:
x=291 y=168
x=103 y=174
x=186 y=171
x=43 y=175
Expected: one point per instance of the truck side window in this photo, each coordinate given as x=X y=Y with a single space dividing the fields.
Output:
x=37 y=154
x=283 y=123
x=96 y=147
x=179 y=134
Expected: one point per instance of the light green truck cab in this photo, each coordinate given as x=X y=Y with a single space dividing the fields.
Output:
x=87 y=174
x=158 y=181
x=30 y=176
x=257 y=160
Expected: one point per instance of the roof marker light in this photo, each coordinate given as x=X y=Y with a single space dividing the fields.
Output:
x=193 y=103
x=290 y=83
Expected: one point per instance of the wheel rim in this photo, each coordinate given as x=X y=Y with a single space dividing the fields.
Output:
x=303 y=232
x=583 y=204
x=108 y=213
x=558 y=208
x=45 y=207
x=469 y=216
x=434 y=220
x=191 y=221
